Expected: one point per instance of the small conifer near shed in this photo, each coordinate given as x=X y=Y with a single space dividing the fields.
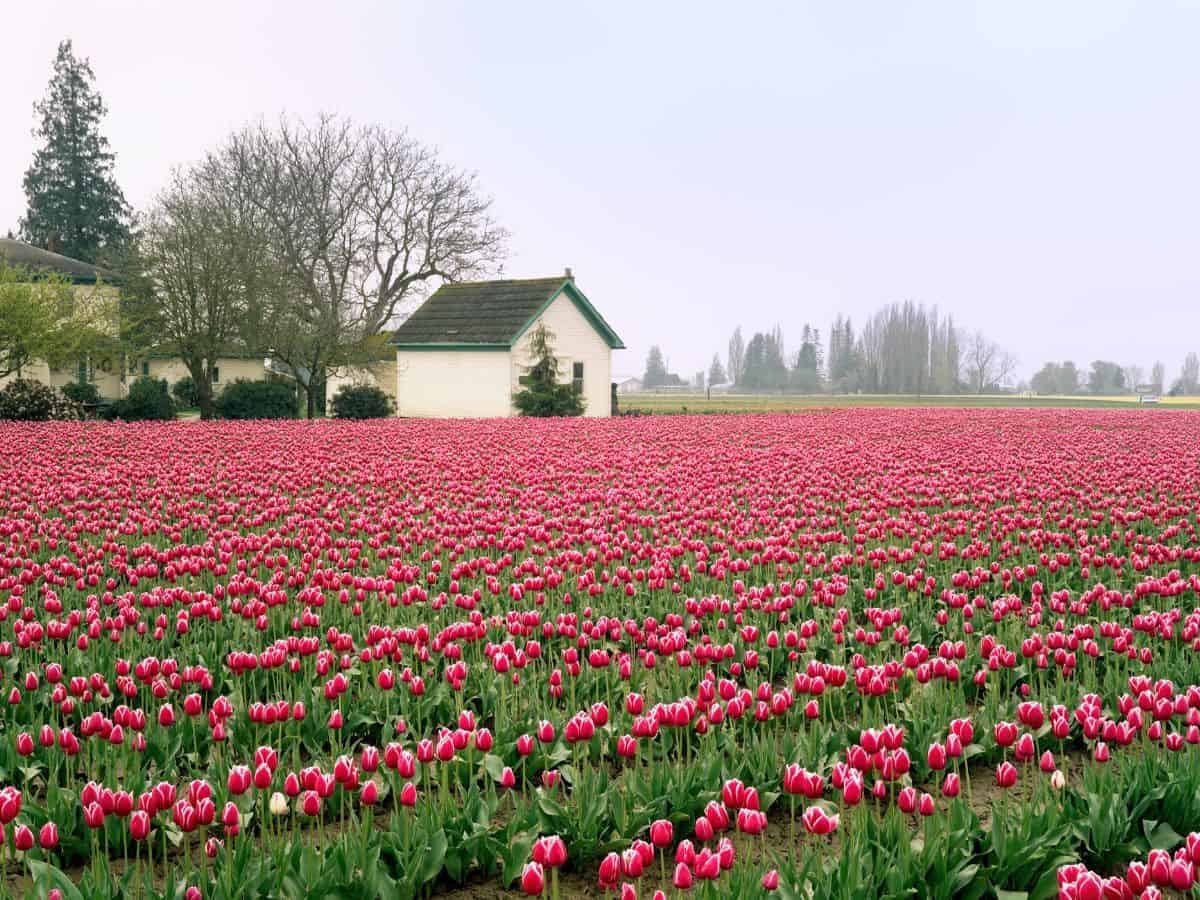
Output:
x=543 y=395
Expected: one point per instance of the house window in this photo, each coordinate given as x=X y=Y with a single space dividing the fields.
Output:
x=145 y=367
x=577 y=377
x=215 y=375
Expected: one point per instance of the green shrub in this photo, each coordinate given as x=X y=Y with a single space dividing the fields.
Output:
x=243 y=399
x=549 y=400
x=184 y=392
x=26 y=400
x=361 y=401
x=148 y=400
x=84 y=392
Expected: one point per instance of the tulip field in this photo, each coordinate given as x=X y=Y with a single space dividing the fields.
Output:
x=842 y=654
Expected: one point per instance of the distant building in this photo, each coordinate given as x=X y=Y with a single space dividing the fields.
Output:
x=93 y=291
x=231 y=365
x=629 y=386
x=463 y=352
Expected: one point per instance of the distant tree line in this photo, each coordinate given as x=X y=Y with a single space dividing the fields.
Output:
x=904 y=348
x=1107 y=377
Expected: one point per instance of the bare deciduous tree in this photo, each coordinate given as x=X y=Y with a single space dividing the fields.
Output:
x=359 y=221
x=986 y=365
x=200 y=255
x=978 y=361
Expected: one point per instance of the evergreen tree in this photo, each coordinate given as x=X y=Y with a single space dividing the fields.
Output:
x=656 y=369
x=754 y=364
x=716 y=371
x=542 y=394
x=74 y=204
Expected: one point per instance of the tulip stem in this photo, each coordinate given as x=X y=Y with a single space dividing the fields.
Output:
x=792 y=827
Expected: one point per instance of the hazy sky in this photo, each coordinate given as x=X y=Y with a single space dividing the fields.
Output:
x=1029 y=165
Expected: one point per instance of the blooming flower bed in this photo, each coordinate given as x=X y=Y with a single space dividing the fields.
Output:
x=851 y=653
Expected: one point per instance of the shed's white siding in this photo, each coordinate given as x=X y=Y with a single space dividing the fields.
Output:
x=453 y=383
x=575 y=340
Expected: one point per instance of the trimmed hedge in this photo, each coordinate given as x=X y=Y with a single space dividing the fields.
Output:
x=361 y=401
x=84 y=392
x=148 y=400
x=243 y=399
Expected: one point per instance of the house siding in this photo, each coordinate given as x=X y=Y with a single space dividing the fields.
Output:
x=380 y=374
x=575 y=340
x=229 y=369
x=453 y=383
x=98 y=304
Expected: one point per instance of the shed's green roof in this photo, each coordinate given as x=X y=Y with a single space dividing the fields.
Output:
x=491 y=314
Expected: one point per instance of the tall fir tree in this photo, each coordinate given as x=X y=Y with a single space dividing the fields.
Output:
x=716 y=371
x=74 y=204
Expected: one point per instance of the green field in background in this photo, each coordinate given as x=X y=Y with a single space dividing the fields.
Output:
x=737 y=403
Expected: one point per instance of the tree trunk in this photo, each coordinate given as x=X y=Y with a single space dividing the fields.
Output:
x=204 y=399
x=201 y=384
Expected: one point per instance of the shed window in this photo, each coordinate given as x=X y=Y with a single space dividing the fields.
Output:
x=145 y=367
x=215 y=375
x=577 y=377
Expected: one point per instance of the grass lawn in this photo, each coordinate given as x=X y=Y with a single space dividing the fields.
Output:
x=743 y=403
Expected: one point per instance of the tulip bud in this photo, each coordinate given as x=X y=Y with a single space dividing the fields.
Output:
x=610 y=870
x=139 y=825
x=48 y=837
x=936 y=757
x=951 y=786
x=310 y=803
x=408 y=794
x=662 y=832
x=533 y=879
x=262 y=777
x=683 y=877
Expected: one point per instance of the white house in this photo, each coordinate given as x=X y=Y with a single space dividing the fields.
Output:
x=462 y=353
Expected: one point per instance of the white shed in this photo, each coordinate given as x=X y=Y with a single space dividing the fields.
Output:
x=463 y=351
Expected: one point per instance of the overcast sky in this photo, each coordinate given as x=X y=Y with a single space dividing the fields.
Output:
x=1028 y=165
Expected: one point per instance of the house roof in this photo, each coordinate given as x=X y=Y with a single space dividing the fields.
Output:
x=35 y=259
x=491 y=314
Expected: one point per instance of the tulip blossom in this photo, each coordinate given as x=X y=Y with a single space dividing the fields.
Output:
x=533 y=879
